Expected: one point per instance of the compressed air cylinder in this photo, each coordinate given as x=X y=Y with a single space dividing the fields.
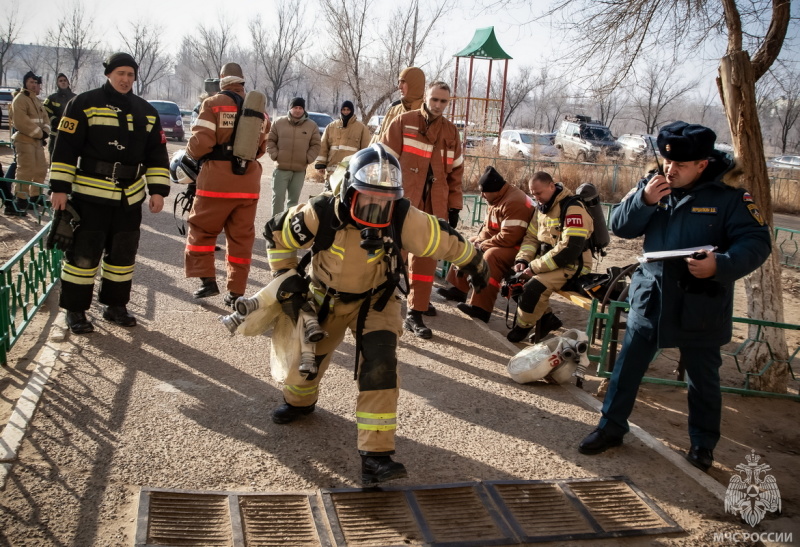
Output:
x=591 y=198
x=248 y=130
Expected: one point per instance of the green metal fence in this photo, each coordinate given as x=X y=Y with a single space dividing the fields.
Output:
x=607 y=326
x=787 y=242
x=26 y=280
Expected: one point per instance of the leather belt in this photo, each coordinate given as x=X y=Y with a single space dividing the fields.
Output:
x=115 y=172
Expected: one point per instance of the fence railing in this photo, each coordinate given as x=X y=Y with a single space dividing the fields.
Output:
x=607 y=326
x=26 y=279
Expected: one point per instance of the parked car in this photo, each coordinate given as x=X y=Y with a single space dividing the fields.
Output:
x=637 y=148
x=195 y=113
x=374 y=124
x=584 y=139
x=784 y=162
x=321 y=119
x=521 y=143
x=6 y=95
x=171 y=119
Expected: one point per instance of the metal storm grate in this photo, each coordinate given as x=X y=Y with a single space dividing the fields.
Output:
x=586 y=509
x=452 y=515
x=456 y=515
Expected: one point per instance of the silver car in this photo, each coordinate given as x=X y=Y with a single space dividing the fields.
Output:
x=784 y=162
x=584 y=139
x=637 y=148
x=521 y=143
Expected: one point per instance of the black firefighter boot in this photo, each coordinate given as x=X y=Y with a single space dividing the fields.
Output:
x=413 y=323
x=380 y=468
x=208 y=287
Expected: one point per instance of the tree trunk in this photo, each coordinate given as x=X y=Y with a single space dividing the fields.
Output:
x=764 y=292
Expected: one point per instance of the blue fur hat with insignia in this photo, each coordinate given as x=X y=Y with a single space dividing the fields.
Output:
x=681 y=141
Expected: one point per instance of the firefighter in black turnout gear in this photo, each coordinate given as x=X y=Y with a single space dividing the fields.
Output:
x=110 y=152
x=355 y=240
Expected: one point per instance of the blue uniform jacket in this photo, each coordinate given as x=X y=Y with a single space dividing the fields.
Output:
x=666 y=300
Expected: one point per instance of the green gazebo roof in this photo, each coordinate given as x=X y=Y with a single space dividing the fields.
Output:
x=484 y=45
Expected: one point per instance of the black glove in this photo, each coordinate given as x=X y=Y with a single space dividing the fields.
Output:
x=477 y=272
x=452 y=217
x=44 y=140
x=522 y=261
x=319 y=166
x=62 y=229
x=292 y=295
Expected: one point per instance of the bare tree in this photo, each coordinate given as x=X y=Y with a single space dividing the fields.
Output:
x=277 y=49
x=549 y=98
x=10 y=32
x=608 y=100
x=786 y=107
x=143 y=41
x=627 y=31
x=209 y=47
x=518 y=91
x=371 y=77
x=55 y=40
x=652 y=93
x=79 y=37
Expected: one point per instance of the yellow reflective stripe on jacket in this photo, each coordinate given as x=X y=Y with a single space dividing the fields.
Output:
x=102 y=120
x=151 y=121
x=552 y=222
x=377 y=256
x=343 y=147
x=117 y=273
x=301 y=391
x=337 y=250
x=89 y=186
x=376 y=422
x=79 y=276
x=435 y=236
x=466 y=255
x=63 y=172
x=577 y=232
x=157 y=176
x=548 y=259
x=276 y=255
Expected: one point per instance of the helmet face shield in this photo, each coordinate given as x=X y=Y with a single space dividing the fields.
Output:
x=371 y=208
x=382 y=174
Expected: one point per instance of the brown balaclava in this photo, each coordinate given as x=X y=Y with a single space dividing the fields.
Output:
x=415 y=79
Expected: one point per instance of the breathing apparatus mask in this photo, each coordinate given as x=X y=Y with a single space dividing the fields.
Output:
x=372 y=184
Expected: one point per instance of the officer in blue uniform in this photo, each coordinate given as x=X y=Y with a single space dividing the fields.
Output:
x=683 y=303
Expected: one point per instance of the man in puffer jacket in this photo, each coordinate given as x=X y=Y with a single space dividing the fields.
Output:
x=293 y=143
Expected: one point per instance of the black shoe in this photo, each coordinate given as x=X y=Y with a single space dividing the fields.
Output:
x=287 y=413
x=454 y=294
x=230 y=298
x=598 y=441
x=120 y=316
x=701 y=458
x=430 y=312
x=12 y=211
x=207 y=288
x=475 y=312
x=549 y=322
x=78 y=323
x=518 y=334
x=375 y=469
x=413 y=323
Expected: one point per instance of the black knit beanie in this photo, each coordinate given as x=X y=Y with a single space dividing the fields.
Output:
x=116 y=60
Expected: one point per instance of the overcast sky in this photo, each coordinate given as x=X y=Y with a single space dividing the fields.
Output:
x=532 y=44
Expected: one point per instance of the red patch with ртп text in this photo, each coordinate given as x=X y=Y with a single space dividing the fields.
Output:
x=573 y=221
x=163 y=138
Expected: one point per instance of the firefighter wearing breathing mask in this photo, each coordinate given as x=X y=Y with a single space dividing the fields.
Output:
x=356 y=239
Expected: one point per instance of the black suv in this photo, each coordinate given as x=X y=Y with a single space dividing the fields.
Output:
x=584 y=139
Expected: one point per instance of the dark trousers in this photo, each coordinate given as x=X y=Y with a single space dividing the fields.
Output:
x=702 y=372
x=110 y=233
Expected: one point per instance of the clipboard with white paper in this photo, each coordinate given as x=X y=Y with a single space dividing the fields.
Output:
x=676 y=253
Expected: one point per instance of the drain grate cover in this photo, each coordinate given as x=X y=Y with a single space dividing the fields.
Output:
x=455 y=515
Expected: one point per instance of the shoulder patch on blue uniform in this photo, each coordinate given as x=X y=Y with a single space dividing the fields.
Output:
x=755 y=213
x=746 y=197
x=705 y=210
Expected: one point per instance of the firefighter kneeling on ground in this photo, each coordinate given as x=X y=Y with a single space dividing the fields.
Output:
x=352 y=284
x=551 y=253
